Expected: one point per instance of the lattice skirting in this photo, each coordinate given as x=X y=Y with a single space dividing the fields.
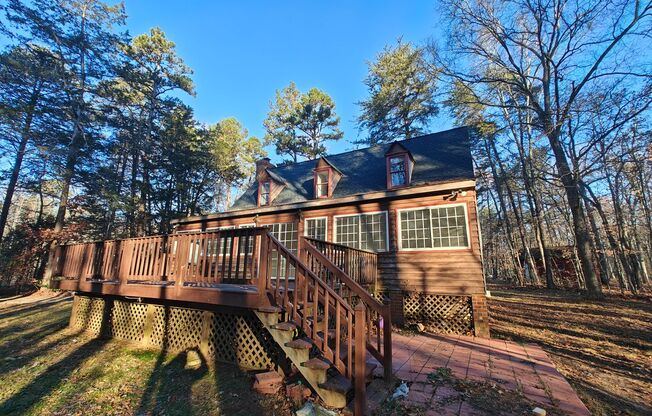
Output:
x=441 y=313
x=226 y=336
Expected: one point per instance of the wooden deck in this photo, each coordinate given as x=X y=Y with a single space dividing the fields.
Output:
x=322 y=292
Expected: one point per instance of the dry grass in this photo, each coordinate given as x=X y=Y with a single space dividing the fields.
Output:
x=48 y=369
x=603 y=348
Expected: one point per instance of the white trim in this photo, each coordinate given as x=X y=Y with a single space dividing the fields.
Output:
x=305 y=228
x=224 y=227
x=429 y=207
x=247 y=225
x=387 y=245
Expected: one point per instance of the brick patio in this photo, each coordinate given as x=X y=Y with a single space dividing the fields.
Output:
x=522 y=368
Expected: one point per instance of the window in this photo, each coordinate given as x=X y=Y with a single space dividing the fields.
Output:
x=288 y=235
x=252 y=241
x=316 y=228
x=366 y=231
x=398 y=171
x=263 y=192
x=321 y=185
x=434 y=228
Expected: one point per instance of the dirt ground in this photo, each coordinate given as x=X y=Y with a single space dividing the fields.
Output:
x=48 y=369
x=603 y=348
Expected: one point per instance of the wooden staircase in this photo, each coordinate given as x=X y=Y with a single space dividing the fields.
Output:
x=324 y=336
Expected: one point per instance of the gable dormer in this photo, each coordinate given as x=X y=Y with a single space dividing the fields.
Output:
x=269 y=184
x=326 y=177
x=400 y=165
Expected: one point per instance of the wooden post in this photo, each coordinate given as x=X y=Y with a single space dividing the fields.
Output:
x=148 y=328
x=73 y=312
x=360 y=393
x=263 y=263
x=387 y=341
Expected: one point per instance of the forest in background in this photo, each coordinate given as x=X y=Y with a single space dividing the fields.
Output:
x=97 y=143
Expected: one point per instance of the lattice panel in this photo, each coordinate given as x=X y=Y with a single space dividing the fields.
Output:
x=184 y=329
x=128 y=320
x=446 y=314
x=89 y=314
x=239 y=339
x=230 y=337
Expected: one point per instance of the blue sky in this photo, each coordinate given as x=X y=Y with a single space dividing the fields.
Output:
x=241 y=52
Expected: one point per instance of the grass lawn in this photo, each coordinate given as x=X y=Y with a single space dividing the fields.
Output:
x=48 y=369
x=603 y=348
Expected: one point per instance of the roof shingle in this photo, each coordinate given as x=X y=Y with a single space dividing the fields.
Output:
x=438 y=157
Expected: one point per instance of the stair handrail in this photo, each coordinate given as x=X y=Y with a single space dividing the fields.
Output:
x=324 y=295
x=381 y=309
x=367 y=274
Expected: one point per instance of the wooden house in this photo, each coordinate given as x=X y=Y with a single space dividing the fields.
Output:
x=413 y=202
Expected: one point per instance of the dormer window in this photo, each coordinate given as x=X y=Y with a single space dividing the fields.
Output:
x=398 y=169
x=263 y=193
x=399 y=166
x=326 y=178
x=321 y=183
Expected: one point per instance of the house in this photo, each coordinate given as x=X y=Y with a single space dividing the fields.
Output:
x=413 y=202
x=310 y=267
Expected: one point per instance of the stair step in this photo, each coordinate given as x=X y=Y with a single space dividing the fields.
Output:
x=331 y=334
x=285 y=326
x=317 y=364
x=299 y=343
x=319 y=318
x=269 y=309
x=337 y=383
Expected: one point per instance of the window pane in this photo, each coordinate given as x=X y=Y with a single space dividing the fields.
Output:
x=322 y=184
x=264 y=193
x=316 y=228
x=347 y=230
x=449 y=230
x=415 y=229
x=288 y=235
x=373 y=232
x=397 y=171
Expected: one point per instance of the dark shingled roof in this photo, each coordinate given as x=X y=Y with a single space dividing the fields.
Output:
x=438 y=157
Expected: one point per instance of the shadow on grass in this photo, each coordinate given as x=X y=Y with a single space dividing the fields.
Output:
x=54 y=376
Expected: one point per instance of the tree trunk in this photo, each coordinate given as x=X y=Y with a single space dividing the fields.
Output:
x=582 y=236
x=15 y=171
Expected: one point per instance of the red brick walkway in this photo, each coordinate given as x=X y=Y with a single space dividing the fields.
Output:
x=525 y=369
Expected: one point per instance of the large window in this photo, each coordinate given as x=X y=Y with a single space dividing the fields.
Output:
x=365 y=231
x=288 y=235
x=434 y=228
x=398 y=171
x=321 y=187
x=316 y=228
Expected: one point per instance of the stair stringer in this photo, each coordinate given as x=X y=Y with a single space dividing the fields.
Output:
x=299 y=356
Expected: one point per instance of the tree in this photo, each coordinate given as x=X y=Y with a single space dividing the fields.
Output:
x=234 y=154
x=26 y=85
x=401 y=99
x=299 y=124
x=151 y=72
x=552 y=55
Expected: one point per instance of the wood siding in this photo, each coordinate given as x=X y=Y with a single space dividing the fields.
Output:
x=449 y=271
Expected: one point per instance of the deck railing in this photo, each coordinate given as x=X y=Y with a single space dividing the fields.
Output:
x=359 y=265
x=247 y=267
x=378 y=328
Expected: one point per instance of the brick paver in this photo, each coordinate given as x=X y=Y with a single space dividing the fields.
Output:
x=522 y=368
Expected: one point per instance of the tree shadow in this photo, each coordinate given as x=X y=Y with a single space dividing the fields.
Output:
x=55 y=375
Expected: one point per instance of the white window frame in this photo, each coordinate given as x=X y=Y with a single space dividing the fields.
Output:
x=305 y=225
x=335 y=217
x=248 y=225
x=224 y=227
x=466 y=219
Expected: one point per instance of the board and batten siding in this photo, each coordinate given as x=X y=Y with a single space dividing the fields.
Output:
x=440 y=271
